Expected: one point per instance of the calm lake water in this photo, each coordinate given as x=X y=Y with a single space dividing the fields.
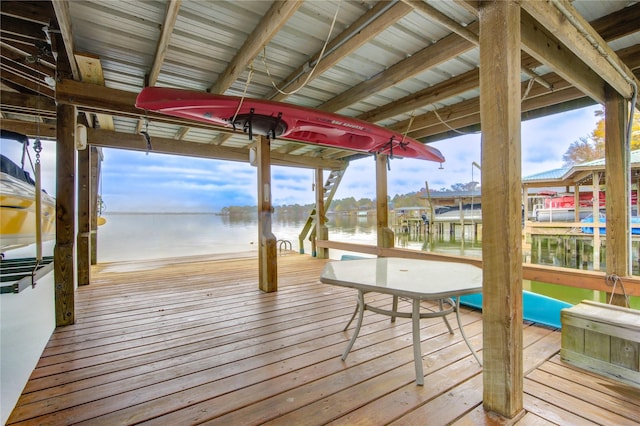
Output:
x=128 y=237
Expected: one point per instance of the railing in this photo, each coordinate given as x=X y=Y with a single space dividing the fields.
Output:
x=591 y=280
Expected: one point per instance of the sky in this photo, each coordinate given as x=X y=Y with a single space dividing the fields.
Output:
x=135 y=181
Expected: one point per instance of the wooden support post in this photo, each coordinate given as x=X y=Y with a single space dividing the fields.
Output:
x=502 y=244
x=95 y=158
x=322 y=232
x=385 y=234
x=618 y=172
x=84 y=218
x=595 y=213
x=65 y=215
x=576 y=203
x=267 y=254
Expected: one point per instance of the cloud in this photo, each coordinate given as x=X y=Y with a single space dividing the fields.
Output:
x=134 y=181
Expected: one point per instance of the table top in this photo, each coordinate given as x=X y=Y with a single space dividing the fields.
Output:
x=423 y=279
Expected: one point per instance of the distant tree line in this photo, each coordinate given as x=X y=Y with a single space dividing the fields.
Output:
x=345 y=205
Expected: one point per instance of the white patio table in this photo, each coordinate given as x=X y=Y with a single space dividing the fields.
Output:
x=413 y=279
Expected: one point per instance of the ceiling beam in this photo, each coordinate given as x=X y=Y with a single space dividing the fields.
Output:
x=20 y=103
x=110 y=139
x=170 y=17
x=618 y=24
x=439 y=92
x=269 y=25
x=61 y=8
x=34 y=11
x=542 y=45
x=370 y=24
x=29 y=128
x=556 y=19
x=431 y=56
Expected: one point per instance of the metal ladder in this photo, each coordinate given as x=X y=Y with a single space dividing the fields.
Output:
x=329 y=190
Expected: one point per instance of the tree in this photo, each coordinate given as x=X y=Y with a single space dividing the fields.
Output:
x=592 y=147
x=583 y=150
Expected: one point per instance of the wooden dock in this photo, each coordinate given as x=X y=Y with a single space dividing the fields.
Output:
x=194 y=341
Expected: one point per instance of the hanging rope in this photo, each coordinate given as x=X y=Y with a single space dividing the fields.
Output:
x=244 y=93
x=613 y=281
x=273 y=83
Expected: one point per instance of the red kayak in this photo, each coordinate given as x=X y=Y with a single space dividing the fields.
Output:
x=286 y=121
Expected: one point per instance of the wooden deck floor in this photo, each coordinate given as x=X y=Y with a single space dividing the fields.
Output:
x=197 y=342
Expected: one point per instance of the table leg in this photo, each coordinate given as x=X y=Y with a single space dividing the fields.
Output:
x=464 y=336
x=355 y=312
x=361 y=307
x=417 y=347
x=444 y=317
x=394 y=308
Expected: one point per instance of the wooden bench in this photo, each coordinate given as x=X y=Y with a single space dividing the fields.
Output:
x=604 y=339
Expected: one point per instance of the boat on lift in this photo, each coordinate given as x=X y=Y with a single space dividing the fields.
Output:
x=18 y=197
x=285 y=121
x=556 y=207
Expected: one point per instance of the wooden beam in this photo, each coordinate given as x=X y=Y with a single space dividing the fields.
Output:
x=501 y=180
x=95 y=158
x=373 y=22
x=431 y=56
x=63 y=252
x=170 y=17
x=550 y=15
x=22 y=103
x=83 y=240
x=267 y=254
x=444 y=20
x=29 y=128
x=275 y=18
x=618 y=24
x=109 y=139
x=63 y=17
x=590 y=280
x=449 y=88
x=542 y=45
x=23 y=81
x=321 y=231
x=618 y=173
x=385 y=236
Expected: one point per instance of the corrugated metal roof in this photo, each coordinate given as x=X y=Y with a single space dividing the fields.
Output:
x=546 y=175
x=208 y=35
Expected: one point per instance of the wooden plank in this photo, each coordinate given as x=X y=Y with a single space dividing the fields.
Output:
x=267 y=251
x=149 y=345
x=553 y=413
x=593 y=404
x=384 y=365
x=502 y=243
x=65 y=215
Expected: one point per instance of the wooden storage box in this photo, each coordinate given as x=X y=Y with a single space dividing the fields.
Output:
x=602 y=338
